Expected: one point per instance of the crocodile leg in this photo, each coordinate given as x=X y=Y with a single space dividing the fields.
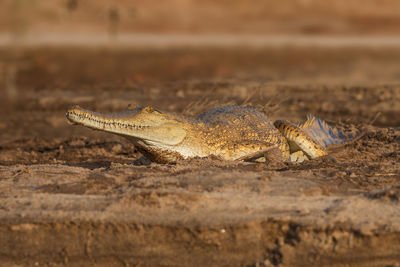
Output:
x=298 y=156
x=257 y=151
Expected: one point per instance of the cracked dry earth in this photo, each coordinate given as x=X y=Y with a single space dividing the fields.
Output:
x=72 y=196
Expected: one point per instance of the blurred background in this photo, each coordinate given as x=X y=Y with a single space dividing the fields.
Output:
x=338 y=17
x=338 y=59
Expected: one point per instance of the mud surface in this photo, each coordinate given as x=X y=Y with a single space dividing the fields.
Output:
x=73 y=196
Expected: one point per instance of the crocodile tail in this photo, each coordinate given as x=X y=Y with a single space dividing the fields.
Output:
x=325 y=135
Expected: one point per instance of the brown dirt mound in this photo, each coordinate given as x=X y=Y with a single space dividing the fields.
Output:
x=70 y=196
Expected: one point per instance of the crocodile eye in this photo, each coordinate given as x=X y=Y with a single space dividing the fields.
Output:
x=150 y=109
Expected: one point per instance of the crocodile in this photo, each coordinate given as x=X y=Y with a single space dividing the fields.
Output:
x=229 y=132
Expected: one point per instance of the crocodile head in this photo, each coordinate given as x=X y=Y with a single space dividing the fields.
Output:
x=146 y=126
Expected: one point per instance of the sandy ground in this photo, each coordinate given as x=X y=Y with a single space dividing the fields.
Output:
x=72 y=196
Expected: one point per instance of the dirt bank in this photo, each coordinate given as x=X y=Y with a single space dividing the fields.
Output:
x=70 y=196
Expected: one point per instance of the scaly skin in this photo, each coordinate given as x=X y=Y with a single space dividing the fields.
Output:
x=229 y=132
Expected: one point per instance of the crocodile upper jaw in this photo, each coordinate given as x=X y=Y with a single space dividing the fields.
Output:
x=135 y=124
